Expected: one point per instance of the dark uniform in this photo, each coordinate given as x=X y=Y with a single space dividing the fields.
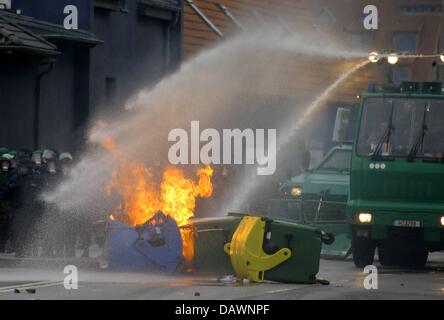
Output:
x=4 y=212
x=51 y=225
x=4 y=205
x=70 y=220
x=24 y=186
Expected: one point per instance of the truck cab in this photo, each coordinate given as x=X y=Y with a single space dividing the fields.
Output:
x=318 y=197
x=331 y=175
x=396 y=201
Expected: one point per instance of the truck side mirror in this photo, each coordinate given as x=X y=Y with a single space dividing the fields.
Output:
x=306 y=160
x=341 y=125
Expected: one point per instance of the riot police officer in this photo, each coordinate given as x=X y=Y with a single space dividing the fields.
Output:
x=51 y=225
x=37 y=159
x=24 y=187
x=70 y=220
x=5 y=165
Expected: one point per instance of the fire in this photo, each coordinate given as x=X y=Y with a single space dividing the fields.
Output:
x=142 y=197
x=109 y=145
x=188 y=246
x=178 y=194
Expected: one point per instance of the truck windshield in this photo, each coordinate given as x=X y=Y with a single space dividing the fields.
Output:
x=340 y=160
x=407 y=125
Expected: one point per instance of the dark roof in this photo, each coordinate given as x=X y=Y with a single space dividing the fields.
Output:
x=172 y=5
x=14 y=37
x=50 y=31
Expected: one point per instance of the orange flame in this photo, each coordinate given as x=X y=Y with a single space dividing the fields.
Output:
x=142 y=198
x=178 y=194
x=109 y=145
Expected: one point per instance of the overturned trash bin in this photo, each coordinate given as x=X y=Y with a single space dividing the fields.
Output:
x=210 y=236
x=264 y=249
x=153 y=246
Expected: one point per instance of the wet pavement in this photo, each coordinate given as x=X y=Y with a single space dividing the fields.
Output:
x=346 y=282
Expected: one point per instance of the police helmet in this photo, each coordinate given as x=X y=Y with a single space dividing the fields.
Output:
x=49 y=155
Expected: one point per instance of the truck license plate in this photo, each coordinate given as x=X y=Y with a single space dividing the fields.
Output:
x=407 y=223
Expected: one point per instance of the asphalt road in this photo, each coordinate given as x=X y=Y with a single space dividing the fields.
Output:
x=346 y=282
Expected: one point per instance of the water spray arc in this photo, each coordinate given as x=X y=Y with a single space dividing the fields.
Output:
x=202 y=89
x=287 y=134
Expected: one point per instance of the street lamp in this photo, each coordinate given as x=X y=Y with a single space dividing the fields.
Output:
x=393 y=58
x=374 y=57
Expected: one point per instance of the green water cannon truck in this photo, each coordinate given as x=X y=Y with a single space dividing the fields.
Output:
x=396 y=198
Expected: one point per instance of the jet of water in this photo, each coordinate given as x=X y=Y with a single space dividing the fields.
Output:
x=287 y=133
x=210 y=87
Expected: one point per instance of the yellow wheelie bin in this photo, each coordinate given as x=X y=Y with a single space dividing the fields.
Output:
x=275 y=250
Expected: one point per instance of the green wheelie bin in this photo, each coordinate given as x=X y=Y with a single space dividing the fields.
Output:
x=264 y=249
x=210 y=236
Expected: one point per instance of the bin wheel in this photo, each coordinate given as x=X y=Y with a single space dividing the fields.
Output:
x=363 y=252
x=418 y=258
x=327 y=238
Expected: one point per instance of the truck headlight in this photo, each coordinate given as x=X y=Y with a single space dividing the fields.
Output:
x=442 y=221
x=364 y=217
x=296 y=191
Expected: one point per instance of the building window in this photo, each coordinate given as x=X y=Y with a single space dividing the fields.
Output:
x=114 y=5
x=406 y=42
x=402 y=73
x=361 y=40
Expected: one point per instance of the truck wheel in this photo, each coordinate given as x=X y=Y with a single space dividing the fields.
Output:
x=363 y=252
x=416 y=258
x=388 y=257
